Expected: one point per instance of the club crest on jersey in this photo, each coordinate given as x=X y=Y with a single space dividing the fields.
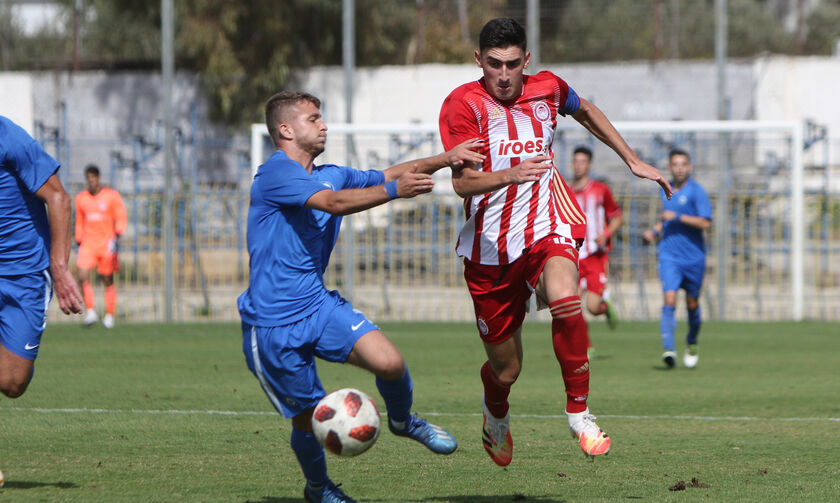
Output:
x=542 y=112
x=526 y=147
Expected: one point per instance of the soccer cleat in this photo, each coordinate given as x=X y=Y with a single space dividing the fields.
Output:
x=590 y=353
x=593 y=440
x=670 y=358
x=108 y=321
x=434 y=437
x=90 y=318
x=501 y=452
x=328 y=493
x=612 y=314
x=691 y=356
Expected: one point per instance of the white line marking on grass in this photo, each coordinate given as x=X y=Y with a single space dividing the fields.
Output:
x=431 y=414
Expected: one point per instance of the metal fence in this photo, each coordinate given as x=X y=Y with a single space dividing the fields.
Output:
x=397 y=262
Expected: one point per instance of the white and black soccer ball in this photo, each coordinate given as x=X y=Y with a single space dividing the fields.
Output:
x=346 y=422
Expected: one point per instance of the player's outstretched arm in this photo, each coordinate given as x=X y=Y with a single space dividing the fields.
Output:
x=347 y=201
x=594 y=120
x=468 y=181
x=457 y=156
x=58 y=213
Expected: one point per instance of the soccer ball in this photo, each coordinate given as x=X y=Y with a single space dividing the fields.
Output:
x=346 y=422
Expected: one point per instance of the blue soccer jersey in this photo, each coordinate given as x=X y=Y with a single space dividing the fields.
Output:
x=290 y=244
x=680 y=242
x=24 y=228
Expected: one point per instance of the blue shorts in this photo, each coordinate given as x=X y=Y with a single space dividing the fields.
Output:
x=676 y=275
x=283 y=357
x=24 y=300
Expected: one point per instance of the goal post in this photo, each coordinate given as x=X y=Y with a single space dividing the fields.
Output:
x=763 y=179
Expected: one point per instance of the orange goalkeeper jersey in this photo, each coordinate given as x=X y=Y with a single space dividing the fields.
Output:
x=99 y=218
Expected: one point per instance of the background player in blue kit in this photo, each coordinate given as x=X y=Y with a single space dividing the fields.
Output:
x=682 y=254
x=34 y=250
x=288 y=316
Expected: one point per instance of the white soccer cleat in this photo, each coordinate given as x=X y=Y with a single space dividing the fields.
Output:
x=90 y=318
x=593 y=440
x=495 y=435
x=670 y=358
x=691 y=356
x=108 y=321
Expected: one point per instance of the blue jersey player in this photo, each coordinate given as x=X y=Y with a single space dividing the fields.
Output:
x=682 y=254
x=34 y=250
x=288 y=316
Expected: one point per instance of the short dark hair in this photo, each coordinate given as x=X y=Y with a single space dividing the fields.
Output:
x=583 y=150
x=502 y=32
x=678 y=151
x=91 y=169
x=277 y=104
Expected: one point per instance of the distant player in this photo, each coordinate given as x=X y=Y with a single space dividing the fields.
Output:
x=288 y=316
x=682 y=254
x=523 y=224
x=34 y=250
x=100 y=220
x=603 y=219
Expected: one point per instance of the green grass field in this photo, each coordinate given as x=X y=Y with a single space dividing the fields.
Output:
x=171 y=413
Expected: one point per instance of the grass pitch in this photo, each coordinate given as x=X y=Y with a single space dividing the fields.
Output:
x=171 y=413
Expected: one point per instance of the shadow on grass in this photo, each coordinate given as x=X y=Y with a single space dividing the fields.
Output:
x=23 y=484
x=452 y=499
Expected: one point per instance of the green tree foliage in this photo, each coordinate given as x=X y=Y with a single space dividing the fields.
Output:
x=245 y=50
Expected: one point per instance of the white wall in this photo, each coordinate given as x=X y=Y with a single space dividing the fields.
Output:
x=16 y=99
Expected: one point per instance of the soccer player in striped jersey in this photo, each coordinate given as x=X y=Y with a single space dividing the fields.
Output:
x=288 y=315
x=523 y=224
x=603 y=219
x=682 y=255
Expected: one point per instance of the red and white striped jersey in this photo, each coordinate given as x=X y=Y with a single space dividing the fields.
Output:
x=502 y=224
x=597 y=202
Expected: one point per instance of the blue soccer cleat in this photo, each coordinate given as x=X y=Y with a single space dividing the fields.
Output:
x=328 y=493
x=434 y=437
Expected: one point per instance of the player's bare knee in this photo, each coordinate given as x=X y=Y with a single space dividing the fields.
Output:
x=12 y=387
x=303 y=421
x=391 y=369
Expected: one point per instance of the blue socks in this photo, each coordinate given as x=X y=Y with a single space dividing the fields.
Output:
x=310 y=455
x=667 y=327
x=398 y=396
x=694 y=323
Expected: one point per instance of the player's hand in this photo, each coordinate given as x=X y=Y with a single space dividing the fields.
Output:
x=69 y=297
x=644 y=170
x=601 y=240
x=649 y=236
x=465 y=153
x=529 y=170
x=411 y=183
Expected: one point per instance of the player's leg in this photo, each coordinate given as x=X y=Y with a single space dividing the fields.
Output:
x=282 y=360
x=557 y=285
x=86 y=261
x=24 y=300
x=671 y=276
x=499 y=295
x=110 y=300
x=350 y=337
x=499 y=372
x=692 y=284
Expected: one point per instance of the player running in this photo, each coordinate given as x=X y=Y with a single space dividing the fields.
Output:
x=100 y=220
x=288 y=316
x=682 y=255
x=34 y=251
x=603 y=219
x=523 y=224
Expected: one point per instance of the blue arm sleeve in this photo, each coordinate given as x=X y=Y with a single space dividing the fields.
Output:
x=32 y=165
x=355 y=179
x=286 y=184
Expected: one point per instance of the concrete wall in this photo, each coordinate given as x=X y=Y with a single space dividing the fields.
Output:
x=16 y=99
